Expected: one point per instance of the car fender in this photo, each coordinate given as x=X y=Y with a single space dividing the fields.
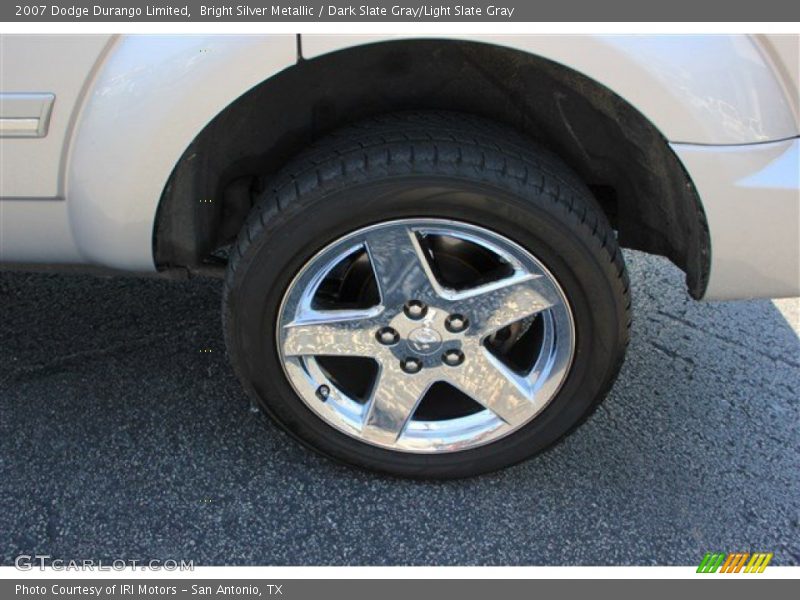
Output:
x=150 y=98
x=153 y=95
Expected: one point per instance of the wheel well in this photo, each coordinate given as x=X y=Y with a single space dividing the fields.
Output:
x=626 y=162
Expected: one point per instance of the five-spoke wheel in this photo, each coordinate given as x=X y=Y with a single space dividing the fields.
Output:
x=420 y=331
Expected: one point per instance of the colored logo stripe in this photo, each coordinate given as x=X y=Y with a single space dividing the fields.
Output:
x=711 y=562
x=758 y=563
x=734 y=562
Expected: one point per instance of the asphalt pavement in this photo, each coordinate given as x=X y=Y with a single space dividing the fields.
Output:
x=123 y=437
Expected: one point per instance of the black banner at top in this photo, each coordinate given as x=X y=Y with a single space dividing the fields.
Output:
x=372 y=11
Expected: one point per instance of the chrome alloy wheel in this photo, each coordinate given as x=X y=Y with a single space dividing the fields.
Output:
x=455 y=336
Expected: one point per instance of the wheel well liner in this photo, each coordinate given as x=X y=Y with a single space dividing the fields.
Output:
x=625 y=160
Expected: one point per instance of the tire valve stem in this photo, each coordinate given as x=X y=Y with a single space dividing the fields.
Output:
x=323 y=392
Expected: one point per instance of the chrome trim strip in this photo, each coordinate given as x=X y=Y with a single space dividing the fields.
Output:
x=25 y=115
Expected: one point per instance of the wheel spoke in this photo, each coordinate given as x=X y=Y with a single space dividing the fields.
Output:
x=498 y=304
x=393 y=401
x=492 y=385
x=330 y=335
x=400 y=266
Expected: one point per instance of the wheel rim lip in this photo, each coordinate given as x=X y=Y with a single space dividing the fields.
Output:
x=418 y=437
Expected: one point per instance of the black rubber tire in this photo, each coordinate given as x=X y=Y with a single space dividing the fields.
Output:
x=380 y=169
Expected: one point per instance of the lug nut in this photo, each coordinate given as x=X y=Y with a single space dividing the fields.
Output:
x=415 y=309
x=411 y=365
x=453 y=357
x=323 y=392
x=387 y=336
x=456 y=323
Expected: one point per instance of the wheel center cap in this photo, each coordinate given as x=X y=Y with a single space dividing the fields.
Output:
x=424 y=340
